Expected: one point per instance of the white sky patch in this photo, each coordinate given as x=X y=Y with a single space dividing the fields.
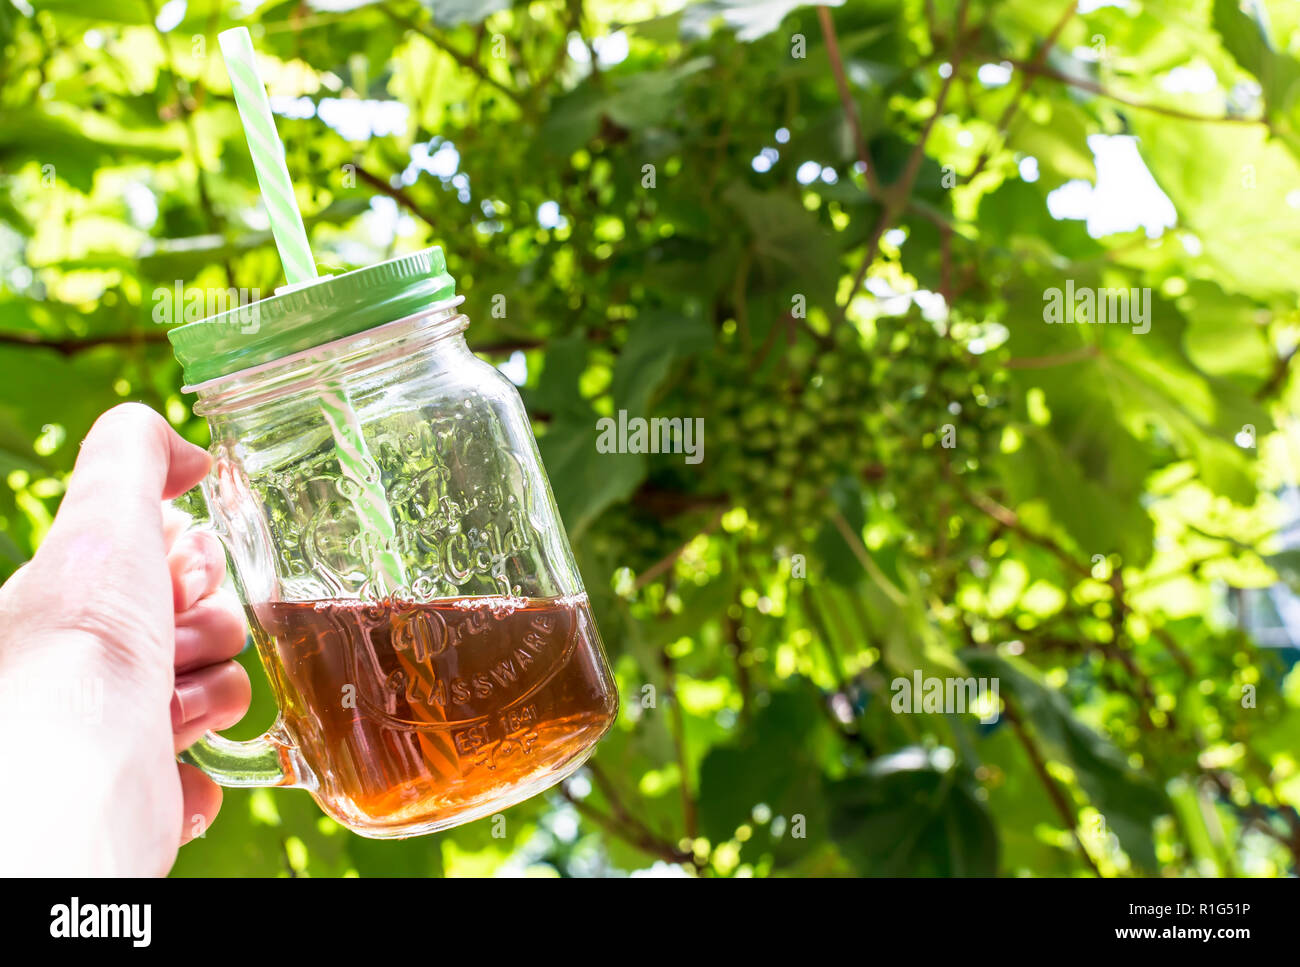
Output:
x=381 y=221
x=1190 y=79
x=334 y=6
x=515 y=368
x=21 y=277
x=1088 y=6
x=782 y=135
x=1245 y=97
x=1029 y=168
x=1125 y=197
x=442 y=163
x=808 y=172
x=932 y=304
x=829 y=176
x=141 y=205
x=548 y=215
x=610 y=50
x=294 y=108
x=445 y=161
x=170 y=15
x=660 y=870
x=995 y=75
x=565 y=826
x=360 y=120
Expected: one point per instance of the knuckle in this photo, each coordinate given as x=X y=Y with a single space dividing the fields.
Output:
x=228 y=629
x=130 y=421
x=128 y=416
x=200 y=548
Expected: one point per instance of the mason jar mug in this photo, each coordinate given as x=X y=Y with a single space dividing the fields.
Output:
x=393 y=536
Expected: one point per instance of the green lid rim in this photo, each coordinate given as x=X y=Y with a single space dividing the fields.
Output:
x=303 y=318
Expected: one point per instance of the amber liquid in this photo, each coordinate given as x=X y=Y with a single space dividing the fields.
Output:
x=414 y=717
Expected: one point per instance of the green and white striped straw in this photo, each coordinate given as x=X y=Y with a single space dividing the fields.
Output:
x=268 y=155
x=367 y=495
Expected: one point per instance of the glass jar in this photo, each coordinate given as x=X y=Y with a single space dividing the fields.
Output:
x=392 y=533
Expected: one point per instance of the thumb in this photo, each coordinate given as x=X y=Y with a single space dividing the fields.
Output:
x=130 y=461
x=102 y=566
x=132 y=454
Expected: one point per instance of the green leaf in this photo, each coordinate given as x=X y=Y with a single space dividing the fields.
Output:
x=1130 y=802
x=409 y=857
x=777 y=765
x=557 y=391
x=1287 y=565
x=657 y=340
x=1243 y=34
x=839 y=562
x=1058 y=140
x=452 y=13
x=585 y=480
x=1224 y=335
x=793 y=251
x=1242 y=218
x=913 y=814
x=751 y=19
x=632 y=101
x=73 y=146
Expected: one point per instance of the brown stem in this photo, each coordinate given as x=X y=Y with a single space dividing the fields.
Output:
x=897 y=195
x=398 y=194
x=186 y=107
x=70 y=347
x=1026 y=79
x=678 y=730
x=1280 y=371
x=945 y=265
x=650 y=844
x=621 y=812
x=1056 y=359
x=846 y=98
x=1010 y=520
x=1084 y=84
x=1054 y=793
x=467 y=61
x=668 y=560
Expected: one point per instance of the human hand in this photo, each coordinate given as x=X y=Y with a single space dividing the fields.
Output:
x=115 y=648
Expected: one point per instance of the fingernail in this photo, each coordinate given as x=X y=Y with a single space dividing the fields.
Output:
x=189 y=701
x=194 y=583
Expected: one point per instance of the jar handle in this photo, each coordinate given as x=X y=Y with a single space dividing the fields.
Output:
x=264 y=761
x=257 y=762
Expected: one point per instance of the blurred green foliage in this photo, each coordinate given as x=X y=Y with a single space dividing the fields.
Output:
x=905 y=467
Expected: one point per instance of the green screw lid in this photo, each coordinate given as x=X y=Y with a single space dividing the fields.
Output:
x=332 y=308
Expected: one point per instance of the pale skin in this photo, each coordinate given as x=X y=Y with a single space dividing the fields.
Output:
x=116 y=642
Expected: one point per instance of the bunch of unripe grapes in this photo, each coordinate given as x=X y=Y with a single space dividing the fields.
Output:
x=946 y=411
x=782 y=429
x=784 y=424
